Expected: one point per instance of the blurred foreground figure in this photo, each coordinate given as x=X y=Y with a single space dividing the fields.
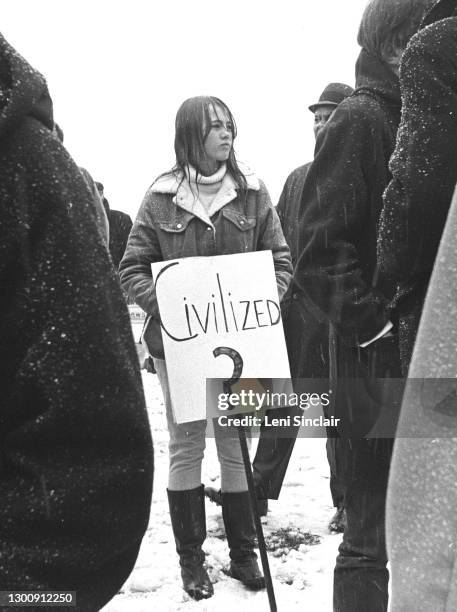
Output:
x=337 y=273
x=422 y=546
x=75 y=447
x=99 y=209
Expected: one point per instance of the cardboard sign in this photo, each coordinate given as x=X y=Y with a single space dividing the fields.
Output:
x=213 y=309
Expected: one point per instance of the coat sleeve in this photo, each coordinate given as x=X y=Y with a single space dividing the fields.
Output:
x=334 y=224
x=281 y=207
x=424 y=164
x=142 y=249
x=271 y=237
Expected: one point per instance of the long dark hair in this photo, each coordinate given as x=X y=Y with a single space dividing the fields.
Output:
x=192 y=127
x=390 y=23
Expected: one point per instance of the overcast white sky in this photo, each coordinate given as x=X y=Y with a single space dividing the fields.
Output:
x=118 y=70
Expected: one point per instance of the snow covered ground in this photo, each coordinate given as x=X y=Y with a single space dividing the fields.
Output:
x=301 y=564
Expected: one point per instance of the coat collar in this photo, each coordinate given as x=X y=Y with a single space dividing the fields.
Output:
x=184 y=197
x=375 y=75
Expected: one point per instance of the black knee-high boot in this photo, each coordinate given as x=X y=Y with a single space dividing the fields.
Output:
x=240 y=530
x=187 y=512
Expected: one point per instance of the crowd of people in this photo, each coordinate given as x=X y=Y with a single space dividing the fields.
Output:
x=362 y=241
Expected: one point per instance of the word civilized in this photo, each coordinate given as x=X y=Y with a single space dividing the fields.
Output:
x=222 y=314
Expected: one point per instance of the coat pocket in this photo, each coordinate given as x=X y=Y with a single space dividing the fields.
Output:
x=239 y=220
x=174 y=234
x=175 y=226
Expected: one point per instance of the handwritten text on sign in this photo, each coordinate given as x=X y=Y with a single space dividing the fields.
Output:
x=210 y=302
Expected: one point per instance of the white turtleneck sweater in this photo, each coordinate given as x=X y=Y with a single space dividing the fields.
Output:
x=206 y=188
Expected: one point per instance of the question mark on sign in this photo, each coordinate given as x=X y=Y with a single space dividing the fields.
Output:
x=237 y=367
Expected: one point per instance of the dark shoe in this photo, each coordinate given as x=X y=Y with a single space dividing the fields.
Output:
x=240 y=530
x=187 y=512
x=338 y=522
x=215 y=496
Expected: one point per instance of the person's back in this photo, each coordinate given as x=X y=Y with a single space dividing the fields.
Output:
x=337 y=272
x=424 y=169
x=76 y=456
x=307 y=343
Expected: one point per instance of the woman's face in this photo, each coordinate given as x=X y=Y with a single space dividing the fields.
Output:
x=219 y=141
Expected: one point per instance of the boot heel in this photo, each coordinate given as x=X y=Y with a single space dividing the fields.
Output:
x=240 y=530
x=248 y=573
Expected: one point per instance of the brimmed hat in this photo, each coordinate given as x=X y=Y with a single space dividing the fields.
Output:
x=332 y=95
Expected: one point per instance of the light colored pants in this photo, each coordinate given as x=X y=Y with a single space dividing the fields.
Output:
x=187 y=445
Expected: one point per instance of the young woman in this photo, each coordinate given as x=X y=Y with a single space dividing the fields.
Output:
x=208 y=204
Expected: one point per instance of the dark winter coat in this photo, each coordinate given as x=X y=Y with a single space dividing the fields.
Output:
x=75 y=447
x=341 y=203
x=424 y=169
x=288 y=208
x=169 y=225
x=120 y=225
x=306 y=340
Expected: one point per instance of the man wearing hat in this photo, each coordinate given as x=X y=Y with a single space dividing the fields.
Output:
x=329 y=99
x=308 y=353
x=289 y=201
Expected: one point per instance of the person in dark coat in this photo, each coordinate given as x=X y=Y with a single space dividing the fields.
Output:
x=75 y=446
x=424 y=467
x=424 y=169
x=307 y=345
x=336 y=271
x=120 y=225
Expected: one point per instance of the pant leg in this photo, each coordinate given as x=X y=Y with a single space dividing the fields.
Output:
x=307 y=348
x=366 y=389
x=233 y=476
x=336 y=486
x=272 y=458
x=361 y=577
x=187 y=442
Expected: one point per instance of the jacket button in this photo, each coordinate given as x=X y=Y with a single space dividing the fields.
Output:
x=179 y=225
x=241 y=222
x=295 y=296
x=208 y=228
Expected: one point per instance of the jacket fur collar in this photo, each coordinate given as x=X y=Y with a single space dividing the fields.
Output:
x=169 y=183
x=187 y=199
